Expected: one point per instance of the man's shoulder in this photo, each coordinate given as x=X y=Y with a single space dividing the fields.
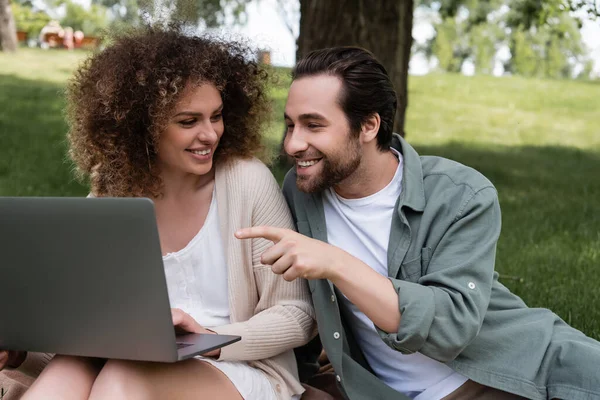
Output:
x=298 y=201
x=443 y=173
x=289 y=182
x=290 y=189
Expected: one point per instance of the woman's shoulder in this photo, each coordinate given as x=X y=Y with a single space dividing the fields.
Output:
x=247 y=171
x=249 y=182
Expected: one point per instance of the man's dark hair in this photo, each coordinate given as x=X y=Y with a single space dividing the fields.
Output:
x=366 y=86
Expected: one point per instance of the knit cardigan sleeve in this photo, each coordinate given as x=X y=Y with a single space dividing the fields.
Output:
x=283 y=314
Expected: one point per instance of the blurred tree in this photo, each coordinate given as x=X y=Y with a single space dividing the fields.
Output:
x=553 y=36
x=451 y=46
x=28 y=19
x=475 y=29
x=91 y=21
x=383 y=27
x=210 y=13
x=8 y=28
x=587 y=70
x=556 y=62
x=524 y=60
x=466 y=30
x=484 y=44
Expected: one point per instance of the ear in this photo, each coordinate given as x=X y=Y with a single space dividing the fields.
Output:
x=370 y=128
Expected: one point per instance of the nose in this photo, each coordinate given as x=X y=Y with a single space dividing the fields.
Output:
x=294 y=142
x=207 y=132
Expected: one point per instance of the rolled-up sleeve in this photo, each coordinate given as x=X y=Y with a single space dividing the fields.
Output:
x=443 y=311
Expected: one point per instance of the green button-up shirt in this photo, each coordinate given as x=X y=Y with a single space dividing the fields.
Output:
x=441 y=256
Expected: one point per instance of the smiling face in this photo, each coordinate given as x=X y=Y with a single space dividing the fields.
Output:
x=318 y=135
x=193 y=132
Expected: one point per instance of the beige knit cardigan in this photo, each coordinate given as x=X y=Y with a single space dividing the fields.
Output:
x=271 y=315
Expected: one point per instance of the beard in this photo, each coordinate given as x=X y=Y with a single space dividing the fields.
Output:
x=336 y=168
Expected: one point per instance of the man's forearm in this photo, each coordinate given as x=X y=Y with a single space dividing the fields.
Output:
x=371 y=292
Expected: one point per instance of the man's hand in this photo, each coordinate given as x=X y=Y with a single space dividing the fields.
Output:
x=184 y=323
x=12 y=359
x=297 y=256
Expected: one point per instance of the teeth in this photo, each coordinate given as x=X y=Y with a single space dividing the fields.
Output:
x=201 y=152
x=307 y=163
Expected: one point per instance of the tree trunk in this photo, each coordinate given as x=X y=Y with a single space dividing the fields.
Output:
x=8 y=29
x=382 y=26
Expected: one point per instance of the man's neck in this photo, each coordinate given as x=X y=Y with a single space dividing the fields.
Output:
x=374 y=173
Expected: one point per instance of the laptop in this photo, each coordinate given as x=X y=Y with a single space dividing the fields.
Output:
x=85 y=277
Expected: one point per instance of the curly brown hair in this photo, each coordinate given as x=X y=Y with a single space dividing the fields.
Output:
x=120 y=100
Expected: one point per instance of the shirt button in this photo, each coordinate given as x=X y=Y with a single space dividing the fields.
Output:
x=337 y=377
x=332 y=298
x=278 y=387
x=336 y=335
x=471 y=285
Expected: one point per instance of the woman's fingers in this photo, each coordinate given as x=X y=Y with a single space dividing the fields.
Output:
x=177 y=315
x=184 y=322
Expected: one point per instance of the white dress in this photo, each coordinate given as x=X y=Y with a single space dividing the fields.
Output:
x=197 y=284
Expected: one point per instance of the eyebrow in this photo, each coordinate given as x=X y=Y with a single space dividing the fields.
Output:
x=196 y=114
x=308 y=116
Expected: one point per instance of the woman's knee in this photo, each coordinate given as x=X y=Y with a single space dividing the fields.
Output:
x=120 y=379
x=139 y=380
x=65 y=377
x=61 y=364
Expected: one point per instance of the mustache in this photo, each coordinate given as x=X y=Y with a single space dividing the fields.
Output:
x=307 y=154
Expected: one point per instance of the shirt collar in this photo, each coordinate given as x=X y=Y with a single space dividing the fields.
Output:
x=413 y=190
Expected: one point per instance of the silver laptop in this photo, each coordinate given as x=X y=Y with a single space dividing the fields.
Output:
x=84 y=276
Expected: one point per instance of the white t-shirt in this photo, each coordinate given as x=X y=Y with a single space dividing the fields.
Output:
x=197 y=275
x=362 y=227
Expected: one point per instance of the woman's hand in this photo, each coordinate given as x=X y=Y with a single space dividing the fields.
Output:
x=12 y=359
x=184 y=323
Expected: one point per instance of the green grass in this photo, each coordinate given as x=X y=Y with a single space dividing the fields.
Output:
x=537 y=140
x=504 y=111
x=32 y=126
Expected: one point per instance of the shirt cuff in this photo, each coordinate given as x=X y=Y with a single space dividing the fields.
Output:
x=417 y=310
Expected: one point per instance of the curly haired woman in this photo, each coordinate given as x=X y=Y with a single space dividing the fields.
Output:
x=178 y=119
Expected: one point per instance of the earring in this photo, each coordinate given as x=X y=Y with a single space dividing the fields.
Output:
x=148 y=155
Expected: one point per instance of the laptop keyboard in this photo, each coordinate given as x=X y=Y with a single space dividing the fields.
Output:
x=181 y=345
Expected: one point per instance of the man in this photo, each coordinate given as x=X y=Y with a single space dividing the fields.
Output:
x=399 y=251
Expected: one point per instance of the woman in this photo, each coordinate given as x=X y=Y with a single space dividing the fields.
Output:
x=177 y=118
